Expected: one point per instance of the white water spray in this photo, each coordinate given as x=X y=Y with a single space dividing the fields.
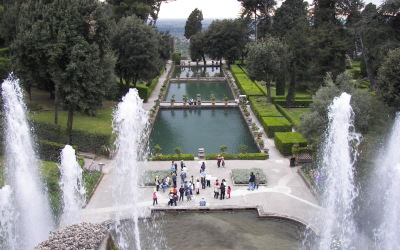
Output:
x=339 y=154
x=389 y=173
x=33 y=220
x=130 y=123
x=73 y=190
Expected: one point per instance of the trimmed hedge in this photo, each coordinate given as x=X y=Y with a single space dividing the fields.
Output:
x=241 y=176
x=261 y=108
x=284 y=141
x=236 y=69
x=249 y=156
x=287 y=115
x=150 y=175
x=296 y=150
x=247 y=86
x=275 y=124
x=298 y=103
x=50 y=151
x=85 y=141
x=174 y=157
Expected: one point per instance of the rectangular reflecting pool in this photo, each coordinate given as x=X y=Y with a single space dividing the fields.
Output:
x=205 y=88
x=194 y=71
x=191 y=129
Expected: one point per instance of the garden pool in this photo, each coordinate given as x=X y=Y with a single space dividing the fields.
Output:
x=218 y=230
x=205 y=88
x=191 y=129
x=203 y=71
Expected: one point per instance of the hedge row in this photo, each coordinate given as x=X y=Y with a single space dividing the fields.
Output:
x=297 y=149
x=298 y=103
x=261 y=108
x=295 y=123
x=249 y=156
x=284 y=141
x=247 y=86
x=49 y=151
x=173 y=157
x=85 y=141
x=275 y=124
x=241 y=176
x=236 y=69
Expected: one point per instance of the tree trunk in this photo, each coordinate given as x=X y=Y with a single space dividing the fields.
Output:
x=56 y=103
x=368 y=67
x=204 y=58
x=292 y=85
x=69 y=125
x=268 y=85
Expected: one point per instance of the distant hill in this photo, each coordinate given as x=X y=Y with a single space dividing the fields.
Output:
x=176 y=27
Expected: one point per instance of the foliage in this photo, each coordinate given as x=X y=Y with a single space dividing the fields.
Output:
x=235 y=69
x=223 y=148
x=275 y=124
x=135 y=64
x=246 y=85
x=90 y=179
x=388 y=82
x=177 y=150
x=249 y=156
x=284 y=141
x=176 y=157
x=226 y=39
x=49 y=151
x=157 y=148
x=150 y=175
x=176 y=58
x=241 y=176
x=197 y=47
x=297 y=103
x=243 y=149
x=296 y=150
x=292 y=114
x=193 y=23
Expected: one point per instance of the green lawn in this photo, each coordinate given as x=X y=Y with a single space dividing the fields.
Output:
x=295 y=113
x=94 y=124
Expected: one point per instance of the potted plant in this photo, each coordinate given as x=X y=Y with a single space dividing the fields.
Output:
x=187 y=75
x=172 y=100
x=259 y=134
x=254 y=127
x=157 y=149
x=223 y=148
x=225 y=100
x=212 y=98
x=185 y=98
x=261 y=143
x=177 y=150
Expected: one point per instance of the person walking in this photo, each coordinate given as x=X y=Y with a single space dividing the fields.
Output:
x=203 y=183
x=222 y=162
x=171 y=198
x=174 y=179
x=188 y=195
x=155 y=198
x=252 y=178
x=183 y=176
x=197 y=186
x=203 y=166
x=219 y=160
x=257 y=181
x=157 y=183
x=229 y=192
x=208 y=179
x=182 y=165
x=222 y=188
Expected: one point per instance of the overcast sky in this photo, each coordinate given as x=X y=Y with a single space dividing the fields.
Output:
x=220 y=9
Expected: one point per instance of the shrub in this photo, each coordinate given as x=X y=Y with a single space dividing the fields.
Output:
x=250 y=156
x=176 y=58
x=298 y=103
x=247 y=86
x=297 y=149
x=241 y=176
x=284 y=141
x=49 y=151
x=261 y=108
x=150 y=175
x=223 y=148
x=275 y=124
x=287 y=115
x=186 y=157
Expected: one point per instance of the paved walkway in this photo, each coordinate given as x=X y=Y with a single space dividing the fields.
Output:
x=285 y=194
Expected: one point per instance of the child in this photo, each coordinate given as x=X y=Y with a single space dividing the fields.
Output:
x=229 y=192
x=155 y=198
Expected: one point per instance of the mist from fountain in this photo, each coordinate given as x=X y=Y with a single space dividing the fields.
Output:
x=339 y=154
x=32 y=220
x=388 y=180
x=72 y=187
x=130 y=124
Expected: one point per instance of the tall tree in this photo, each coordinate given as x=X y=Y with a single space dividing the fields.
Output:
x=226 y=39
x=137 y=47
x=193 y=23
x=197 y=45
x=71 y=41
x=388 y=82
x=268 y=57
x=288 y=15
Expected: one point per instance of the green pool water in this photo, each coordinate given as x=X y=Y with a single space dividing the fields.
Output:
x=191 y=129
x=194 y=70
x=219 y=89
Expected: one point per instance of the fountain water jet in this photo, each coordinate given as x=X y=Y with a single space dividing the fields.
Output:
x=388 y=171
x=73 y=190
x=130 y=122
x=339 y=154
x=33 y=220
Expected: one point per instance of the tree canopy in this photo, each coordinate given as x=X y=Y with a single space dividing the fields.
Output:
x=193 y=23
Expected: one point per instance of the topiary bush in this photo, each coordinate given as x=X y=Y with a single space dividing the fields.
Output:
x=241 y=176
x=261 y=108
x=174 y=157
x=275 y=124
x=284 y=141
x=249 y=156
